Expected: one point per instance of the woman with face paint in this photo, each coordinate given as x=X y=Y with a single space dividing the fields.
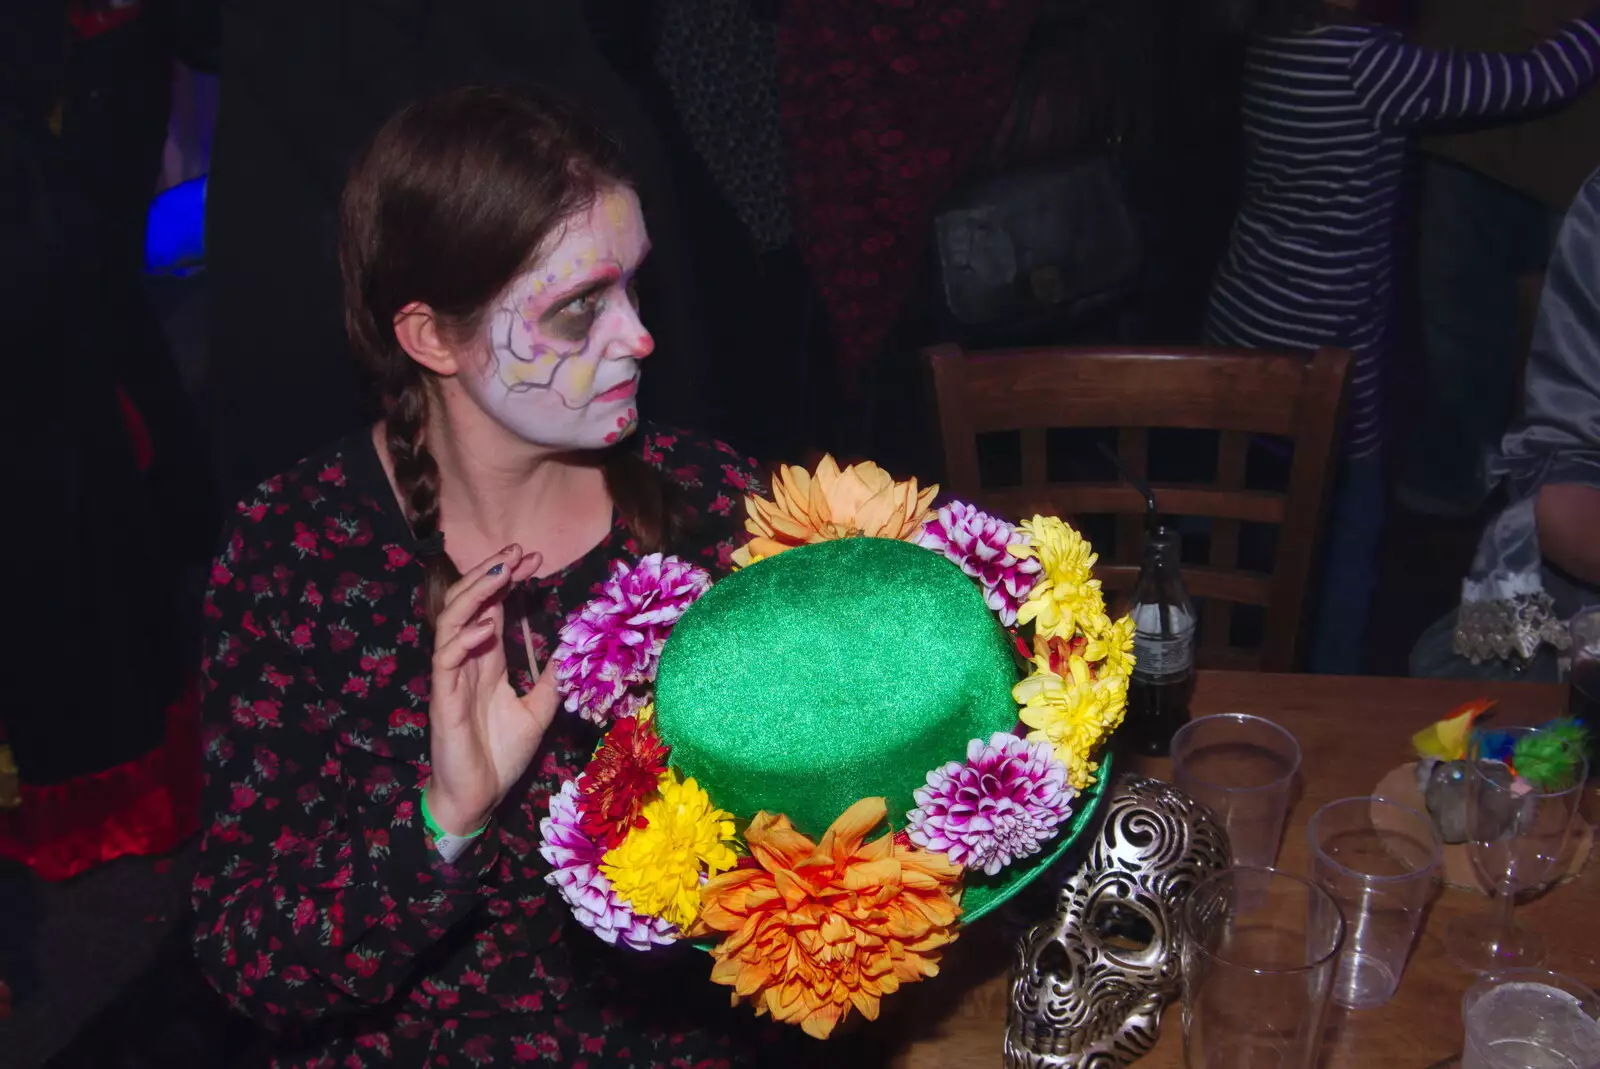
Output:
x=381 y=743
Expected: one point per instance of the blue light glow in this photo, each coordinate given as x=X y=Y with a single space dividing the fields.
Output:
x=174 y=236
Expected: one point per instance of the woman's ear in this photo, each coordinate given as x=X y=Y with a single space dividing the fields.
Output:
x=420 y=335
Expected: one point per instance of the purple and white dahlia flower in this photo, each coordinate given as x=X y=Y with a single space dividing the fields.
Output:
x=575 y=872
x=1005 y=803
x=611 y=646
x=976 y=542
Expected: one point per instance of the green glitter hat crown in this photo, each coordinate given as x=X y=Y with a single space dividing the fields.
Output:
x=840 y=671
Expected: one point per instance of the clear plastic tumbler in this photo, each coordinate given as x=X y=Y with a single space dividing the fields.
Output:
x=1530 y=1019
x=1260 y=948
x=1241 y=767
x=1380 y=862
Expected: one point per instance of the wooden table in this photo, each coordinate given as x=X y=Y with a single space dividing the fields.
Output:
x=1351 y=732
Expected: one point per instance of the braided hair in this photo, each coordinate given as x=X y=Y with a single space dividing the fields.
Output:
x=454 y=197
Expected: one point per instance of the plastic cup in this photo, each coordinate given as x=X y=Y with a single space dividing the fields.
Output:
x=1379 y=861
x=1242 y=768
x=1260 y=948
x=1530 y=1019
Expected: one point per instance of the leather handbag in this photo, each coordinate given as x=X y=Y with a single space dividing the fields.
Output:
x=1044 y=232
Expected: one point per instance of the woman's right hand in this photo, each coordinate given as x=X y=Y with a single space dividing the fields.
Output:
x=483 y=734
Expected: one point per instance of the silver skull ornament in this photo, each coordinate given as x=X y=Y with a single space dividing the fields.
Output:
x=1090 y=982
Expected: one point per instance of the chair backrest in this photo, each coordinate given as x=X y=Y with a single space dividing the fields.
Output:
x=1240 y=393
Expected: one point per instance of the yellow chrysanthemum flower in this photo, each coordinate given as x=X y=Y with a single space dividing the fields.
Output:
x=1073 y=713
x=657 y=868
x=1110 y=648
x=1066 y=595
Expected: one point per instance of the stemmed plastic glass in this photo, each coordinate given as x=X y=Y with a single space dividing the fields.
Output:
x=1516 y=836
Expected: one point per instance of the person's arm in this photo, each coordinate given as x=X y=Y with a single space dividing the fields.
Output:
x=1403 y=84
x=1568 y=515
x=316 y=887
x=1553 y=452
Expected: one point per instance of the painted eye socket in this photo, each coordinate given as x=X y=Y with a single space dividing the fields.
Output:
x=1122 y=927
x=575 y=319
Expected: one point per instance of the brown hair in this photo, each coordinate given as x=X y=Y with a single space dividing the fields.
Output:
x=454 y=198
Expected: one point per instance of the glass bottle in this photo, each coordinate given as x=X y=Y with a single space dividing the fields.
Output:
x=1163 y=647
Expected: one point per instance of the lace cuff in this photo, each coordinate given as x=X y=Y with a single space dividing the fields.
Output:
x=1507 y=628
x=1505 y=611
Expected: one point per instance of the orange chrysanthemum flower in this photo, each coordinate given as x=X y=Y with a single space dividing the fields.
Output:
x=620 y=778
x=820 y=927
x=861 y=500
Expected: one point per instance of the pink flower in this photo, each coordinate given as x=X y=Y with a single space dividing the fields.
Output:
x=976 y=542
x=1005 y=803
x=610 y=647
x=575 y=872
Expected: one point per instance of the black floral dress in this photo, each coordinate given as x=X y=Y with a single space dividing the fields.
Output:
x=320 y=909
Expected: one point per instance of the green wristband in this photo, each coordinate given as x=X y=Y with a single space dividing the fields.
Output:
x=449 y=846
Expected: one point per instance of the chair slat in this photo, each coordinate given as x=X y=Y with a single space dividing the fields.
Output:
x=1241 y=587
x=1233 y=451
x=1133 y=449
x=1089 y=499
x=1198 y=389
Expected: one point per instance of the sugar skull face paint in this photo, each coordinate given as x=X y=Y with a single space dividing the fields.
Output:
x=565 y=340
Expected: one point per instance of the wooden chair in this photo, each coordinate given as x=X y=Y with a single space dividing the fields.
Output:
x=1237 y=392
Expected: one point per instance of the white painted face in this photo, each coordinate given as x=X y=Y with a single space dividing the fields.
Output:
x=565 y=340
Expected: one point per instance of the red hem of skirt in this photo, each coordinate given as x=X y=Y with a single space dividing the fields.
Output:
x=145 y=807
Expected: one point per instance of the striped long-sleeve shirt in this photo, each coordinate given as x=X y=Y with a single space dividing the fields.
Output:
x=1326 y=116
